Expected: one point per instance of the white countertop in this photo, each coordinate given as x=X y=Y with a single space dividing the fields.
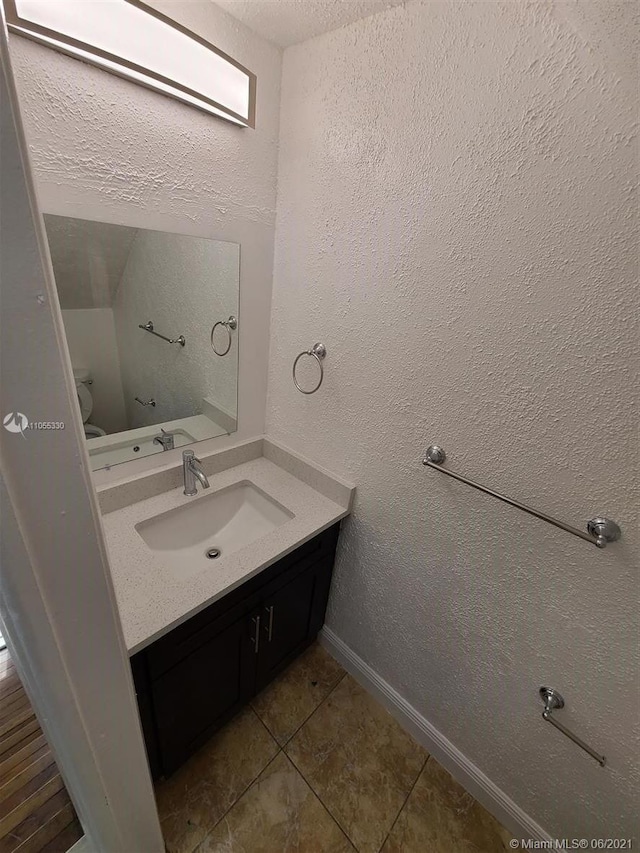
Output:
x=153 y=598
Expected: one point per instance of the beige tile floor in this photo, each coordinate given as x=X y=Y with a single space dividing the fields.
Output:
x=316 y=765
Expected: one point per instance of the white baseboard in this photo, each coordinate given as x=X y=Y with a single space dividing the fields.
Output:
x=510 y=815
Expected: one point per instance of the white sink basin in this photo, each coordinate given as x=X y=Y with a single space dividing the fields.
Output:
x=221 y=522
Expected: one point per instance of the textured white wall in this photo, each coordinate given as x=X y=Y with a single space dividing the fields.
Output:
x=91 y=337
x=106 y=149
x=455 y=223
x=183 y=285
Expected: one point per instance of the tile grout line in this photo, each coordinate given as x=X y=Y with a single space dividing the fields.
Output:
x=265 y=727
x=317 y=797
x=250 y=785
x=320 y=704
x=317 y=794
x=244 y=790
x=306 y=719
x=280 y=749
x=406 y=800
x=299 y=769
x=253 y=782
x=322 y=802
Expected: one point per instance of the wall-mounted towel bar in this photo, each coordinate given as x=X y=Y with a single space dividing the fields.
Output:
x=148 y=327
x=553 y=701
x=599 y=530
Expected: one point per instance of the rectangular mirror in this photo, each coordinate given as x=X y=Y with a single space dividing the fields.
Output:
x=151 y=320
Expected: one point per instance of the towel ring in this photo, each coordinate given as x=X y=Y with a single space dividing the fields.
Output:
x=229 y=324
x=318 y=351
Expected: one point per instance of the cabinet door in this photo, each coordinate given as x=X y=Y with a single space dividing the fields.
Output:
x=199 y=694
x=140 y=673
x=290 y=618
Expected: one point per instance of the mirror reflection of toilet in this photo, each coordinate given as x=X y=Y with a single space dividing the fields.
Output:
x=85 y=401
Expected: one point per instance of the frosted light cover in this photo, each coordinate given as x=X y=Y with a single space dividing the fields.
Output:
x=124 y=38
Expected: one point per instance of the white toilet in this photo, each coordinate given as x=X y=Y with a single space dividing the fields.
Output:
x=85 y=401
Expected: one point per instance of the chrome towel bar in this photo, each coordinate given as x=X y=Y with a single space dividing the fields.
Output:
x=148 y=327
x=599 y=530
x=553 y=701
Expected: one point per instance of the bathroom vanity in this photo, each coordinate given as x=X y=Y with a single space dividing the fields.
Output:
x=206 y=633
x=196 y=677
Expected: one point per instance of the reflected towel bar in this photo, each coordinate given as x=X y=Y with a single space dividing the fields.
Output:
x=599 y=530
x=148 y=327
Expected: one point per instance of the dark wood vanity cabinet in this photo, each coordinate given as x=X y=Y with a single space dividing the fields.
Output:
x=195 y=678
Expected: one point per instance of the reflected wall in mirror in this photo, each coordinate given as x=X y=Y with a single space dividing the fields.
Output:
x=138 y=393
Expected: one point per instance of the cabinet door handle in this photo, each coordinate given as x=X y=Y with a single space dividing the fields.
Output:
x=269 y=628
x=256 y=640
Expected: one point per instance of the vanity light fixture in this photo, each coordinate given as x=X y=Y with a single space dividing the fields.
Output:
x=133 y=40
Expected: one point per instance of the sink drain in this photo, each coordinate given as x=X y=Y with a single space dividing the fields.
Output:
x=212 y=553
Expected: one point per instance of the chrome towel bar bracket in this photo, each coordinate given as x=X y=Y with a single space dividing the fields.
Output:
x=317 y=351
x=553 y=701
x=600 y=531
x=148 y=327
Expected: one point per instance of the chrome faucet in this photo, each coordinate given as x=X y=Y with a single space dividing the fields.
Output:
x=166 y=440
x=192 y=471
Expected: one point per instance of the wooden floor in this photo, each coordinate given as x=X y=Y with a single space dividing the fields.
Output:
x=36 y=814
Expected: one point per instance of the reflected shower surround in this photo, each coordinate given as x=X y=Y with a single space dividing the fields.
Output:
x=133 y=40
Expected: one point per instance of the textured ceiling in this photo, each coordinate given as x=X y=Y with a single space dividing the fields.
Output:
x=88 y=259
x=287 y=22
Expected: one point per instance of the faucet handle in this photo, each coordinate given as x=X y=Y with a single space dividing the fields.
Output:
x=189 y=456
